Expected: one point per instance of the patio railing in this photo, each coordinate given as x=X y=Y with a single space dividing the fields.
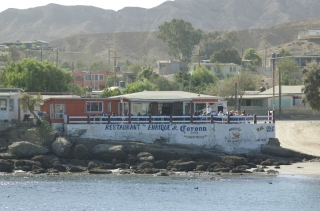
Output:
x=108 y=119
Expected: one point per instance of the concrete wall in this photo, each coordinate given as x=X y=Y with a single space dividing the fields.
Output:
x=231 y=138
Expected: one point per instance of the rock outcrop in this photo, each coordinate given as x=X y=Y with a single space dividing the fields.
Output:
x=25 y=149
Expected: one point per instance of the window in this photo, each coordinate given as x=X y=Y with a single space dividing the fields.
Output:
x=230 y=69
x=57 y=111
x=3 y=105
x=94 y=106
x=87 y=77
x=100 y=77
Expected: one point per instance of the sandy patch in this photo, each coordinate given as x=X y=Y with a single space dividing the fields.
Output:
x=301 y=136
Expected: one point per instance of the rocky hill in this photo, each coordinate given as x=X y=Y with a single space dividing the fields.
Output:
x=54 y=21
x=145 y=48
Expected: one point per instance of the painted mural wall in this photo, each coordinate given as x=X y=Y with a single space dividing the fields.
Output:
x=231 y=138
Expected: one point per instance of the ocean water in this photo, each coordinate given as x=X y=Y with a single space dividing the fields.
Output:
x=147 y=192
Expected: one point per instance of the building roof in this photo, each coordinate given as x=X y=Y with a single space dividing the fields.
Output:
x=11 y=90
x=297 y=89
x=164 y=96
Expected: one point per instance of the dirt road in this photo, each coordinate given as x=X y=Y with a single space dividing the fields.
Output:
x=301 y=136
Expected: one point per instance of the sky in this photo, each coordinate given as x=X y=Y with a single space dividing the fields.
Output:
x=104 y=4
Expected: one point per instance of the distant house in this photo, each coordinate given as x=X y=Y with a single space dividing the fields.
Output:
x=97 y=80
x=309 y=35
x=302 y=60
x=218 y=69
x=29 y=44
x=290 y=96
x=169 y=67
x=10 y=103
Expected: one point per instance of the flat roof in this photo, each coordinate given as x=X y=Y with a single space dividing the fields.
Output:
x=165 y=96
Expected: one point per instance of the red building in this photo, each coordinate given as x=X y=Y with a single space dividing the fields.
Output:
x=97 y=80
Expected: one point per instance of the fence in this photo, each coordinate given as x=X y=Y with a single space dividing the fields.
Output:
x=108 y=119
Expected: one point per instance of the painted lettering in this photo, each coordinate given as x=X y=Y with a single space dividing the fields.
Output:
x=122 y=127
x=235 y=128
x=159 y=127
x=270 y=129
x=192 y=129
x=260 y=129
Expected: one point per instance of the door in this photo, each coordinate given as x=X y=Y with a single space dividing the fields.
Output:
x=3 y=109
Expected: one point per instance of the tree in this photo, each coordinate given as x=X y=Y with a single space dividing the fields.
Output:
x=99 y=66
x=80 y=65
x=215 y=41
x=182 y=76
x=164 y=84
x=201 y=78
x=112 y=79
x=253 y=55
x=135 y=68
x=140 y=86
x=226 y=55
x=29 y=102
x=147 y=72
x=181 y=38
x=110 y=92
x=14 y=53
x=284 y=53
x=35 y=76
x=311 y=83
x=290 y=72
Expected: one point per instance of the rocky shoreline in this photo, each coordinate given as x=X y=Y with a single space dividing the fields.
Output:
x=65 y=154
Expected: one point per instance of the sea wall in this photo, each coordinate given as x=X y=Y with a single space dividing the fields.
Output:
x=230 y=138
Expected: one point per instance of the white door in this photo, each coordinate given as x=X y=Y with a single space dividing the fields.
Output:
x=3 y=109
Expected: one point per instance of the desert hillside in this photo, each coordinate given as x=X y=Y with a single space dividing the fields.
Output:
x=55 y=21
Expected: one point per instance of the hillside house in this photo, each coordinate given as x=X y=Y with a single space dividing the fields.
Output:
x=220 y=69
x=97 y=80
x=290 y=96
x=170 y=67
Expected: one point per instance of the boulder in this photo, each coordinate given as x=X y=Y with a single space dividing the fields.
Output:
x=76 y=169
x=145 y=157
x=26 y=149
x=80 y=151
x=107 y=152
x=145 y=165
x=274 y=142
x=186 y=166
x=160 y=164
x=46 y=160
x=29 y=163
x=61 y=147
x=234 y=160
x=6 y=166
x=59 y=167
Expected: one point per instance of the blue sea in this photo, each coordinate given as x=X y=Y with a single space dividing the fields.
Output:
x=148 y=192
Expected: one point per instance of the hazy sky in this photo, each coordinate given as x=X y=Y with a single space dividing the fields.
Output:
x=104 y=4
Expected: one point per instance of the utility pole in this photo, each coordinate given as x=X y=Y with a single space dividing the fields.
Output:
x=57 y=57
x=115 y=57
x=236 y=97
x=265 y=55
x=278 y=55
x=109 y=48
x=273 y=74
x=72 y=69
x=199 y=57
x=41 y=54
